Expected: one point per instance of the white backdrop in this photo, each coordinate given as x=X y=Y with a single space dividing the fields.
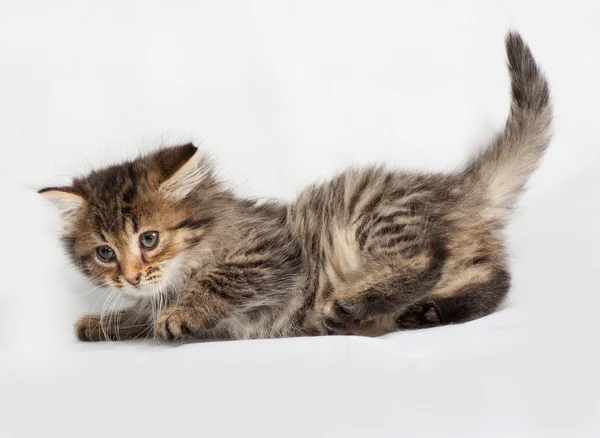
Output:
x=282 y=94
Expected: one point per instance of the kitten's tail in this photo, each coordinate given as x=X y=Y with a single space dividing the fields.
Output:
x=503 y=167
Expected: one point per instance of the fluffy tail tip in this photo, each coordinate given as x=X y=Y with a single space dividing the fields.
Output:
x=529 y=88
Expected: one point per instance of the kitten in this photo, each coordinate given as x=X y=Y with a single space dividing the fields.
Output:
x=369 y=252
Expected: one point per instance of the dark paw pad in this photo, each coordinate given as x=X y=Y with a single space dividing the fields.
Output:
x=420 y=315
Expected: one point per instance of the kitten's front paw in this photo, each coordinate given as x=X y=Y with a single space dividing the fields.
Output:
x=88 y=328
x=176 y=322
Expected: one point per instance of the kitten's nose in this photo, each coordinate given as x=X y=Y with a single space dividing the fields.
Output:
x=134 y=281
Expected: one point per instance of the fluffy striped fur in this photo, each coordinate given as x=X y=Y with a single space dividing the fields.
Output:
x=369 y=252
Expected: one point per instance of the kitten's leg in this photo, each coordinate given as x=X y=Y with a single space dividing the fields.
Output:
x=116 y=326
x=464 y=304
x=346 y=311
x=208 y=299
x=196 y=313
x=383 y=288
x=254 y=280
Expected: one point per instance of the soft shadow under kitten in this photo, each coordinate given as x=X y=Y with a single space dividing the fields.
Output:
x=371 y=251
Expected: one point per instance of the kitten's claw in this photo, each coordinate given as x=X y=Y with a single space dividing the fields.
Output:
x=420 y=315
x=174 y=323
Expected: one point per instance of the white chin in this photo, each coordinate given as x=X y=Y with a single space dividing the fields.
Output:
x=144 y=290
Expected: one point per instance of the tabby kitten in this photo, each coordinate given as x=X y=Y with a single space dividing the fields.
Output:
x=369 y=252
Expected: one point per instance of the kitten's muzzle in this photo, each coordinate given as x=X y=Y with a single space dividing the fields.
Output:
x=134 y=281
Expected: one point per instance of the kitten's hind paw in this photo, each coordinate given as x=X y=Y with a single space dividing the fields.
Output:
x=339 y=319
x=345 y=314
x=420 y=315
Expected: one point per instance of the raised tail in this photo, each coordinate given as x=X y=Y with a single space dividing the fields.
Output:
x=503 y=167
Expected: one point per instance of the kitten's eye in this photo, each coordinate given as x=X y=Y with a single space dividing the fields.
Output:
x=149 y=239
x=105 y=253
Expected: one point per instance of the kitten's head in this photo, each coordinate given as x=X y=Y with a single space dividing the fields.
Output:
x=133 y=226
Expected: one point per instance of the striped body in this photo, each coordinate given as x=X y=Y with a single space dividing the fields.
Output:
x=372 y=251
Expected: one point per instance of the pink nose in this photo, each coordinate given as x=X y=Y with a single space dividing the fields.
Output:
x=134 y=281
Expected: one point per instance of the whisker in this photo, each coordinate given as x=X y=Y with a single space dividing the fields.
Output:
x=102 y=314
x=94 y=288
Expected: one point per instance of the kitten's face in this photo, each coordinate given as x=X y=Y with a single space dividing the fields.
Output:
x=132 y=227
x=136 y=248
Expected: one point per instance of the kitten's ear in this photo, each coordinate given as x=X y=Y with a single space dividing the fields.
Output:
x=65 y=199
x=182 y=168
